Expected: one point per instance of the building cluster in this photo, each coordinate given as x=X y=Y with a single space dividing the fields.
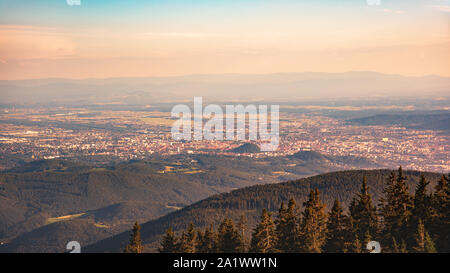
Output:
x=123 y=135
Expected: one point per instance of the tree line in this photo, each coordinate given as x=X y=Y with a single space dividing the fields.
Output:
x=401 y=222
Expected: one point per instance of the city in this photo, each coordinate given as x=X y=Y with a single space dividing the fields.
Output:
x=107 y=136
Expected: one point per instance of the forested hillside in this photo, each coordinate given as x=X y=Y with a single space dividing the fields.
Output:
x=428 y=121
x=251 y=200
x=42 y=192
x=401 y=223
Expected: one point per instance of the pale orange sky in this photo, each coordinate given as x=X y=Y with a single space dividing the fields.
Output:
x=266 y=39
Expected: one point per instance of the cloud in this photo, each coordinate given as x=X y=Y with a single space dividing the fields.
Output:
x=183 y=34
x=31 y=42
x=443 y=8
x=394 y=11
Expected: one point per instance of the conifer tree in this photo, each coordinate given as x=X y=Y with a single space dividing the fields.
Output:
x=336 y=230
x=356 y=244
x=264 y=237
x=188 y=240
x=441 y=221
x=207 y=241
x=429 y=244
x=280 y=228
x=420 y=237
x=423 y=209
x=352 y=243
x=287 y=228
x=229 y=240
x=388 y=190
x=135 y=245
x=364 y=213
x=242 y=227
x=183 y=244
x=387 y=213
x=367 y=239
x=313 y=224
x=169 y=243
x=397 y=210
x=200 y=241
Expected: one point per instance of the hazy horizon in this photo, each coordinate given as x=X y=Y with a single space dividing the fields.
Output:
x=110 y=39
x=226 y=74
x=222 y=87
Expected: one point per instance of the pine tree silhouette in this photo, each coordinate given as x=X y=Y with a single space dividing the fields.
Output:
x=135 y=245
x=264 y=236
x=313 y=225
x=336 y=230
x=364 y=213
x=169 y=243
x=229 y=240
x=287 y=229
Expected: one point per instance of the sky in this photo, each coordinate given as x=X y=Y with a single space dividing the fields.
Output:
x=139 y=38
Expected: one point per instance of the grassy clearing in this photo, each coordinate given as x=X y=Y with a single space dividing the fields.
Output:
x=157 y=121
x=98 y=169
x=64 y=218
x=167 y=169
x=171 y=169
x=193 y=172
x=174 y=207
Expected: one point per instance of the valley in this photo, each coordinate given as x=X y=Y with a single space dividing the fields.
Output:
x=57 y=194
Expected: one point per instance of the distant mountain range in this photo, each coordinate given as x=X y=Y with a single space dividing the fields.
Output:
x=251 y=200
x=225 y=87
x=437 y=121
x=41 y=194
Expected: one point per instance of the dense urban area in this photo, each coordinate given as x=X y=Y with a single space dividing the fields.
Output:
x=76 y=133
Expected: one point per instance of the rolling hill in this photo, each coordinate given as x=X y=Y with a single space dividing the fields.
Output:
x=249 y=201
x=55 y=236
x=41 y=192
x=427 y=121
x=247 y=148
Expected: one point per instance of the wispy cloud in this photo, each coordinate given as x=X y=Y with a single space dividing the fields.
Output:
x=394 y=11
x=444 y=8
x=183 y=34
x=31 y=42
